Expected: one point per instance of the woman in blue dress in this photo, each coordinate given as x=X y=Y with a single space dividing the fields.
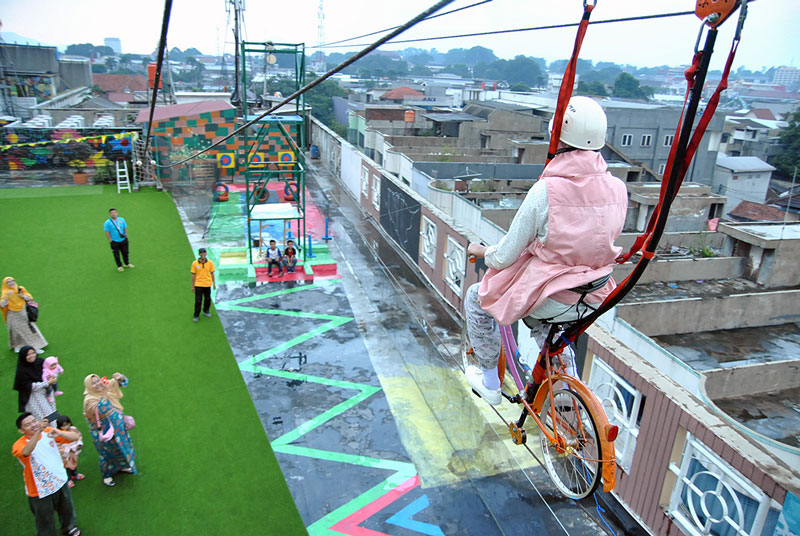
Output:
x=104 y=413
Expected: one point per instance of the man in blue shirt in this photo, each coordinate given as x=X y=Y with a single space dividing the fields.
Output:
x=117 y=232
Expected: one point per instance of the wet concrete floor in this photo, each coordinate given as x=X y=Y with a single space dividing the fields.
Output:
x=356 y=384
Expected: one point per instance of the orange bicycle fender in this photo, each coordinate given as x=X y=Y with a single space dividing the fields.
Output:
x=601 y=421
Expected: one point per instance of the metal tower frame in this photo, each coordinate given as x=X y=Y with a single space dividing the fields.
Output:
x=253 y=138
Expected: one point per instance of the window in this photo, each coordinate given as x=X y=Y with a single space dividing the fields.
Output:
x=668 y=139
x=736 y=177
x=364 y=182
x=376 y=193
x=661 y=169
x=711 y=497
x=646 y=140
x=454 y=263
x=627 y=140
x=623 y=405
x=428 y=246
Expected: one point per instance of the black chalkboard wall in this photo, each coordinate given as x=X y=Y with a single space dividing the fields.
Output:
x=400 y=217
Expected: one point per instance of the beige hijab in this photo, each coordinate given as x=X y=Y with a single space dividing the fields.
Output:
x=92 y=396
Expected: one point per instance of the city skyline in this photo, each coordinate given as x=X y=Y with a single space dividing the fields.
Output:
x=768 y=39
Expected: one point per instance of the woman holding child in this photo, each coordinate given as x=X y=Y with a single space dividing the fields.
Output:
x=108 y=425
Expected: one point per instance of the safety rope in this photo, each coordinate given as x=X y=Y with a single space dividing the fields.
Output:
x=162 y=45
x=567 y=83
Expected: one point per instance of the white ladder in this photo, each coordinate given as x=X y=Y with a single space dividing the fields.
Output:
x=123 y=179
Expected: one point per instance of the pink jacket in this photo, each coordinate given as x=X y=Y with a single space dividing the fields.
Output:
x=47 y=373
x=587 y=208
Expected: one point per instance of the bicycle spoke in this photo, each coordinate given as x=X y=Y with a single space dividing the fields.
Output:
x=573 y=458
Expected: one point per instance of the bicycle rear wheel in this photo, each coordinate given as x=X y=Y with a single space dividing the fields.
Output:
x=574 y=465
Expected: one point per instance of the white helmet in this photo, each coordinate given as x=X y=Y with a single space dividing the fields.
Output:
x=584 y=125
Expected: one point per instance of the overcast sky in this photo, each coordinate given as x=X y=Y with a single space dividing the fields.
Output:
x=770 y=38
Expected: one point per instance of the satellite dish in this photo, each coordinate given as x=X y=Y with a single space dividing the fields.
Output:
x=271 y=59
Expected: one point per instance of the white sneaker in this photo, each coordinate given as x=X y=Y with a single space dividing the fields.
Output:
x=475 y=380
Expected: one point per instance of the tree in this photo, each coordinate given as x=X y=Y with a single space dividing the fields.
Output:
x=320 y=98
x=111 y=64
x=524 y=69
x=104 y=51
x=519 y=86
x=458 y=69
x=420 y=70
x=99 y=69
x=627 y=87
x=789 y=157
x=592 y=88
x=84 y=49
x=420 y=59
x=197 y=69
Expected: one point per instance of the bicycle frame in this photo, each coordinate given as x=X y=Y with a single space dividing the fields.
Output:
x=533 y=403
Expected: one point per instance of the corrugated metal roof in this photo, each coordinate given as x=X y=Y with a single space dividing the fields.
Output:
x=743 y=163
x=448 y=117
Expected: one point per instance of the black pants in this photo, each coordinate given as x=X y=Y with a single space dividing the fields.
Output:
x=272 y=263
x=120 y=247
x=199 y=294
x=44 y=509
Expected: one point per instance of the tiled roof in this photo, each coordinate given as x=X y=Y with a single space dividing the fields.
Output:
x=182 y=110
x=401 y=93
x=120 y=97
x=120 y=83
x=749 y=211
x=763 y=113
x=742 y=164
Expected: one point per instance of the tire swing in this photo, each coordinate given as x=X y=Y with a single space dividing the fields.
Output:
x=261 y=194
x=221 y=192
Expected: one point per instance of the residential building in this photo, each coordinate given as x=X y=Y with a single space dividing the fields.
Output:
x=786 y=76
x=30 y=75
x=741 y=178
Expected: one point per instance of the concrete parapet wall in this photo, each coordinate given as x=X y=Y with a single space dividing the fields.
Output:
x=693 y=240
x=752 y=379
x=669 y=317
x=686 y=269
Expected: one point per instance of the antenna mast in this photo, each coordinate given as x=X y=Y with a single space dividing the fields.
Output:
x=319 y=60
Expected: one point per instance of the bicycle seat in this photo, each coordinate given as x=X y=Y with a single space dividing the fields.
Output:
x=574 y=312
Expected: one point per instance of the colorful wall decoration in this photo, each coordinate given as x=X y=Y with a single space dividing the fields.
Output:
x=32 y=149
x=180 y=137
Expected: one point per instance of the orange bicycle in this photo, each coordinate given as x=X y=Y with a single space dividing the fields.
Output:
x=576 y=438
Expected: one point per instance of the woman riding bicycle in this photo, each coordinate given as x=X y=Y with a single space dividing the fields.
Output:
x=562 y=237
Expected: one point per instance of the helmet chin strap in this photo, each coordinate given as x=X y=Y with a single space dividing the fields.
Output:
x=566 y=149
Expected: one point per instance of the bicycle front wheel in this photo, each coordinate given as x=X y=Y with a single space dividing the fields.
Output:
x=574 y=459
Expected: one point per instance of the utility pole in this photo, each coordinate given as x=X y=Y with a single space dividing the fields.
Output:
x=789 y=202
x=320 y=61
x=238 y=7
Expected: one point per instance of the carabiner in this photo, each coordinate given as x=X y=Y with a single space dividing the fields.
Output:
x=742 y=16
x=699 y=35
x=594 y=4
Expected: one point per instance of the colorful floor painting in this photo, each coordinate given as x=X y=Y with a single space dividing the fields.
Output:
x=375 y=434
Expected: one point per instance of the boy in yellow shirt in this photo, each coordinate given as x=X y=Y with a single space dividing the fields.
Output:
x=202 y=281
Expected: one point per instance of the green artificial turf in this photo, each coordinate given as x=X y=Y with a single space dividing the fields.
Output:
x=206 y=466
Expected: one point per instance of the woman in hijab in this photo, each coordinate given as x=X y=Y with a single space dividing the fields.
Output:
x=32 y=390
x=107 y=424
x=20 y=332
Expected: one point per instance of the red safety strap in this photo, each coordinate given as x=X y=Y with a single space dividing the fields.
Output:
x=692 y=147
x=567 y=83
